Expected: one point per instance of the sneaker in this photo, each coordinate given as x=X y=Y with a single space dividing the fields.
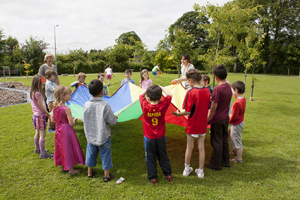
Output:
x=153 y=181
x=186 y=173
x=199 y=173
x=169 y=178
x=51 y=130
x=46 y=155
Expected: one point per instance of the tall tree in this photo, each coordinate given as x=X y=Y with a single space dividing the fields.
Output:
x=281 y=23
x=33 y=52
x=189 y=23
x=126 y=38
x=235 y=25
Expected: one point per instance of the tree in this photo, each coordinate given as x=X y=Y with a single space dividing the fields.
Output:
x=126 y=38
x=33 y=52
x=236 y=27
x=2 y=46
x=281 y=24
x=189 y=23
x=183 y=44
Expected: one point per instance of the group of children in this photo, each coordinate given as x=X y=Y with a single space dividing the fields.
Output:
x=199 y=105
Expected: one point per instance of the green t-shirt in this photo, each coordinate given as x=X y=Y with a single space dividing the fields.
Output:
x=155 y=69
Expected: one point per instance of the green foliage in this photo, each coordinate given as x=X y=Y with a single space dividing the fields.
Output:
x=33 y=54
x=128 y=38
x=189 y=23
x=27 y=67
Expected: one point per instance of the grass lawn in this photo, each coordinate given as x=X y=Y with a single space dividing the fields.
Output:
x=270 y=168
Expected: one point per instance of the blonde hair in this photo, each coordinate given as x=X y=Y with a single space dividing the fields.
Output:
x=58 y=92
x=80 y=74
x=47 y=55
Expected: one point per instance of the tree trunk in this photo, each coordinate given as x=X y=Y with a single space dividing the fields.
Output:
x=214 y=82
x=245 y=76
x=289 y=69
x=252 y=88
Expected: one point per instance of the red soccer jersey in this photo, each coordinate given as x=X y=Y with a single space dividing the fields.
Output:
x=238 y=111
x=154 y=117
x=196 y=102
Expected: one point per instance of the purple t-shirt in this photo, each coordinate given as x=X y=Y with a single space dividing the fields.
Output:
x=35 y=106
x=222 y=95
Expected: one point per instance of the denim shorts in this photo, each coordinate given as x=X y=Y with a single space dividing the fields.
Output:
x=105 y=155
x=154 y=73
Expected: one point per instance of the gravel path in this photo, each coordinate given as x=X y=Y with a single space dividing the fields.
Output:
x=12 y=93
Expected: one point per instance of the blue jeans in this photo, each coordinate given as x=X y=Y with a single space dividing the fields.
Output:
x=105 y=155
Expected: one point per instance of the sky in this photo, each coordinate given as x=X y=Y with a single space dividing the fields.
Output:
x=91 y=24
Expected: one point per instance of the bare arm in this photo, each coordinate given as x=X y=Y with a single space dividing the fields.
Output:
x=69 y=116
x=41 y=106
x=53 y=119
x=184 y=112
x=212 y=110
x=57 y=81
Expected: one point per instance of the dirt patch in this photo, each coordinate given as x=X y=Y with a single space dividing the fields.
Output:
x=11 y=97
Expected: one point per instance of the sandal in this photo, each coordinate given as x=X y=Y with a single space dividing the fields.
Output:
x=106 y=179
x=236 y=160
x=91 y=176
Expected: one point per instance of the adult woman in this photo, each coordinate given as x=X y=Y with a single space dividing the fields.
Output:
x=49 y=57
x=185 y=66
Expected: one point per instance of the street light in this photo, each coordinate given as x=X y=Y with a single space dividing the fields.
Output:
x=55 y=46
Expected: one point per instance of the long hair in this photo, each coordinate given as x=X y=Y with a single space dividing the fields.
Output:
x=58 y=92
x=142 y=72
x=36 y=86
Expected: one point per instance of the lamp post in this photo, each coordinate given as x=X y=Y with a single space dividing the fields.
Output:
x=55 y=46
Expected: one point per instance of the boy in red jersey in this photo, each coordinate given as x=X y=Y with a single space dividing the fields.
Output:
x=195 y=105
x=154 y=127
x=237 y=120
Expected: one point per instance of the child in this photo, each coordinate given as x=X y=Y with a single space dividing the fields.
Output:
x=155 y=70
x=105 y=88
x=108 y=72
x=67 y=148
x=97 y=116
x=154 y=127
x=205 y=82
x=218 y=118
x=128 y=74
x=145 y=81
x=195 y=105
x=80 y=80
x=50 y=87
x=39 y=114
x=237 y=120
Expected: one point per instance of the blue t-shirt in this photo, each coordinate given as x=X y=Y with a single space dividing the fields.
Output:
x=125 y=80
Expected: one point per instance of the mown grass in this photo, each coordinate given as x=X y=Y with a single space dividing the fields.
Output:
x=270 y=168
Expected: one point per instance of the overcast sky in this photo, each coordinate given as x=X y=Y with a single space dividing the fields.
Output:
x=91 y=24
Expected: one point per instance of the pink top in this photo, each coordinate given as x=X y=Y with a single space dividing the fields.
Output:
x=146 y=83
x=34 y=104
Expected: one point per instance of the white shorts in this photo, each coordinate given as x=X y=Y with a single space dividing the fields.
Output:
x=197 y=135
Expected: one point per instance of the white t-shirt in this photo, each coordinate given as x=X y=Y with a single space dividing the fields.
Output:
x=108 y=71
x=183 y=72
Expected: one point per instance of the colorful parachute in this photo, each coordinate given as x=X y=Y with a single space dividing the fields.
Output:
x=125 y=103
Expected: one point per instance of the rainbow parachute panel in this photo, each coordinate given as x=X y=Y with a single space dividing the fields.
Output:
x=125 y=103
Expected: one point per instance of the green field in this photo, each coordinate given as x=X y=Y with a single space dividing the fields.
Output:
x=270 y=168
